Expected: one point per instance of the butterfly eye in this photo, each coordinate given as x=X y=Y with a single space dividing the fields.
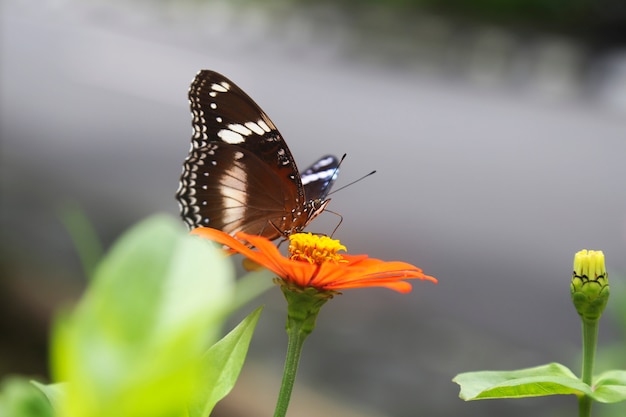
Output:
x=239 y=174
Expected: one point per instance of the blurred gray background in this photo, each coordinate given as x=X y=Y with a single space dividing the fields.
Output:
x=498 y=133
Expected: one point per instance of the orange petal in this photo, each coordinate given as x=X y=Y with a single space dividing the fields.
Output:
x=399 y=286
x=227 y=240
x=358 y=272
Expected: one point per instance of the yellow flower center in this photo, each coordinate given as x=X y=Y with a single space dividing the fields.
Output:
x=315 y=249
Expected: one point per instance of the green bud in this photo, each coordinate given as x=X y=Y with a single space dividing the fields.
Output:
x=590 y=284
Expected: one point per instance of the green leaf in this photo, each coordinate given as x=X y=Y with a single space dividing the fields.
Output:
x=55 y=393
x=610 y=387
x=132 y=347
x=221 y=365
x=19 y=398
x=83 y=235
x=550 y=379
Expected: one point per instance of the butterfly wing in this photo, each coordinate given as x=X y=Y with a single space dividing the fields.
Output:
x=216 y=191
x=223 y=113
x=319 y=178
x=240 y=174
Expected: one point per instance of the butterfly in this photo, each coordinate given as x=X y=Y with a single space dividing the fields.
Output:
x=239 y=174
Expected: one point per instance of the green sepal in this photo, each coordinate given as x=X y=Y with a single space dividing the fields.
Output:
x=590 y=296
x=303 y=306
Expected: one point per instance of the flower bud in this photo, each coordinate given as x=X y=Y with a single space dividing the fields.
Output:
x=590 y=284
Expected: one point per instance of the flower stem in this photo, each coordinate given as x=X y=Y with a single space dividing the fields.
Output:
x=294 y=349
x=590 y=339
x=303 y=306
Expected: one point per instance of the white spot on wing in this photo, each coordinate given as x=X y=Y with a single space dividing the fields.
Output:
x=240 y=129
x=233 y=198
x=255 y=128
x=315 y=176
x=229 y=136
x=220 y=88
x=264 y=126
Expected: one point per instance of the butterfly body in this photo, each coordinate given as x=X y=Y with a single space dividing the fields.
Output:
x=239 y=174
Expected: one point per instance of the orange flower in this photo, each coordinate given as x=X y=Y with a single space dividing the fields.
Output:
x=314 y=262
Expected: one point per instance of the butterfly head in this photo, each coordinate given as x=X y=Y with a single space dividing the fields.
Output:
x=315 y=207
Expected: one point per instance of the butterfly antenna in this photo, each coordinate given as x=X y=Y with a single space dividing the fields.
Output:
x=353 y=182
x=334 y=175
x=339 y=163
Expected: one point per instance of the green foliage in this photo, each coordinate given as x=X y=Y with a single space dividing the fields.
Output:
x=55 y=393
x=550 y=379
x=610 y=387
x=19 y=398
x=83 y=235
x=137 y=344
x=221 y=365
x=542 y=380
